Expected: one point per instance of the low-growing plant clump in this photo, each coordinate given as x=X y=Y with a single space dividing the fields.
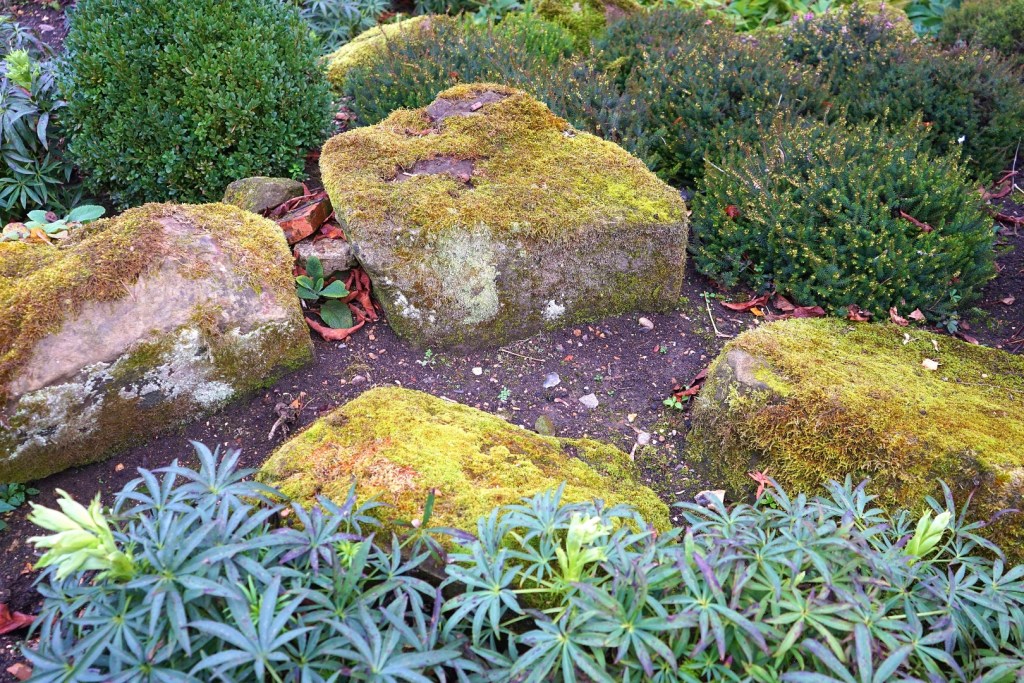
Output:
x=34 y=171
x=839 y=216
x=993 y=24
x=874 y=67
x=178 y=100
x=792 y=589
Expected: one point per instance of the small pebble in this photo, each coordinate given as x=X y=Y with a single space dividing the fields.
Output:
x=590 y=401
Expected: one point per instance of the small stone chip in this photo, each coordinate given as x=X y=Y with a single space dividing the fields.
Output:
x=930 y=364
x=478 y=371
x=590 y=401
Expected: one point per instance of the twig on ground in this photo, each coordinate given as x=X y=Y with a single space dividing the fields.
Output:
x=519 y=355
x=718 y=333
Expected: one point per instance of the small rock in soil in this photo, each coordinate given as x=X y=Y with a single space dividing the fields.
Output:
x=590 y=401
x=552 y=380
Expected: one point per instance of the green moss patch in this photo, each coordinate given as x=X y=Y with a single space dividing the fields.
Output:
x=370 y=43
x=399 y=444
x=586 y=18
x=814 y=400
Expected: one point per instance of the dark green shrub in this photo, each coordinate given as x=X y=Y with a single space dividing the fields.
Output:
x=414 y=68
x=174 y=99
x=993 y=24
x=196 y=579
x=874 y=67
x=832 y=216
x=34 y=171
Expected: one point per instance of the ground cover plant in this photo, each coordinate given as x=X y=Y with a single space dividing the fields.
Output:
x=177 y=101
x=993 y=24
x=791 y=589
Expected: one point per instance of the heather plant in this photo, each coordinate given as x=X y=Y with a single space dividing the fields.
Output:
x=177 y=101
x=200 y=575
x=991 y=24
x=874 y=67
x=839 y=216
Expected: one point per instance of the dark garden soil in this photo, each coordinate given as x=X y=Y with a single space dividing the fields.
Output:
x=44 y=17
x=630 y=368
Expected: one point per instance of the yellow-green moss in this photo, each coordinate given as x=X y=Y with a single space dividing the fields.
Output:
x=370 y=43
x=855 y=399
x=533 y=174
x=43 y=285
x=399 y=444
x=585 y=19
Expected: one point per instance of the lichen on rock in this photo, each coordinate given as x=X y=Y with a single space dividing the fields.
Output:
x=260 y=193
x=371 y=42
x=136 y=323
x=398 y=444
x=813 y=400
x=483 y=217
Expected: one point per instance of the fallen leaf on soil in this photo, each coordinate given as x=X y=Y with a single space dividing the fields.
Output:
x=331 y=334
x=20 y=670
x=930 y=364
x=808 y=312
x=732 y=211
x=12 y=621
x=782 y=303
x=1008 y=300
x=763 y=481
x=746 y=305
x=857 y=314
x=968 y=338
x=917 y=315
x=757 y=312
x=895 y=316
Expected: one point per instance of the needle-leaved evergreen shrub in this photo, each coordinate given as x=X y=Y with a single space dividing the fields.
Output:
x=873 y=66
x=519 y=51
x=174 y=99
x=993 y=24
x=198 y=577
x=837 y=216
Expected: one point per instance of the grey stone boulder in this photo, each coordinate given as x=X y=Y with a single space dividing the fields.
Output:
x=136 y=323
x=484 y=218
x=335 y=254
x=260 y=194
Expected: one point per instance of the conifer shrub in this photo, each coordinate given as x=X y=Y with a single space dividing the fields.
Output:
x=197 y=575
x=836 y=216
x=874 y=67
x=993 y=24
x=414 y=68
x=174 y=99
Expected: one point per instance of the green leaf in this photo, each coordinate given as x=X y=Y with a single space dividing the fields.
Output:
x=337 y=315
x=85 y=213
x=314 y=269
x=335 y=290
x=38 y=216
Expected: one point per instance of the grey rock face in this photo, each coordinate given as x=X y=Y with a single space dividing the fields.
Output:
x=334 y=254
x=259 y=193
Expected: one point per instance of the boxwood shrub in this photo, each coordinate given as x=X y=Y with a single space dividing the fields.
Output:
x=174 y=99
x=199 y=576
x=837 y=216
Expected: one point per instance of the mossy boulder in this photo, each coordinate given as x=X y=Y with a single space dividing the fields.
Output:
x=372 y=42
x=586 y=19
x=813 y=400
x=259 y=193
x=484 y=218
x=135 y=323
x=399 y=444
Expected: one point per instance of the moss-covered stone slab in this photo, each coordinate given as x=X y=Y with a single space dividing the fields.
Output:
x=372 y=42
x=135 y=323
x=484 y=218
x=814 y=400
x=399 y=444
x=260 y=193
x=586 y=19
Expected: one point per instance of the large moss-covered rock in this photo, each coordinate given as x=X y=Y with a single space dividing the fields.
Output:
x=813 y=400
x=372 y=42
x=260 y=193
x=483 y=218
x=135 y=323
x=399 y=444
x=586 y=18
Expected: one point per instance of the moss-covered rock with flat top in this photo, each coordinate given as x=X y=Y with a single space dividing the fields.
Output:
x=812 y=400
x=586 y=19
x=372 y=42
x=136 y=323
x=399 y=444
x=484 y=218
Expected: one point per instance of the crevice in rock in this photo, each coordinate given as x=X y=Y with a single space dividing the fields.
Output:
x=440 y=109
x=459 y=169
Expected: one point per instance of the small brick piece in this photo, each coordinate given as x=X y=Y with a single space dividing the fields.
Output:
x=303 y=221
